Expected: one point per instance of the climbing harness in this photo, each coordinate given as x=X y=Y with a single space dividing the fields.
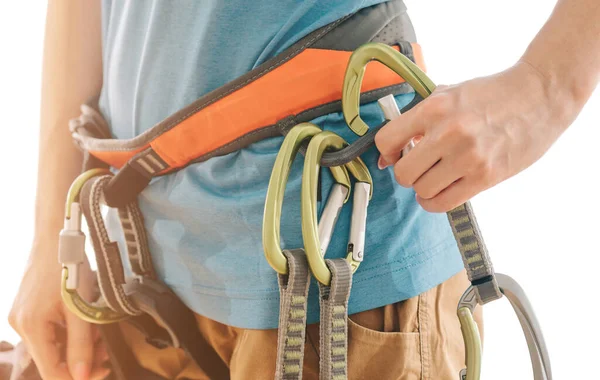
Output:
x=486 y=285
x=321 y=76
x=248 y=109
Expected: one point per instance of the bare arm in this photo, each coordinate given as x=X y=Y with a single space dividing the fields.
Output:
x=478 y=133
x=72 y=74
x=566 y=52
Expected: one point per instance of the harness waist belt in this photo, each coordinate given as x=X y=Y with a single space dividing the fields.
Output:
x=311 y=79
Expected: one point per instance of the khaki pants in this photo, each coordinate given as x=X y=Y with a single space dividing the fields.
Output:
x=418 y=338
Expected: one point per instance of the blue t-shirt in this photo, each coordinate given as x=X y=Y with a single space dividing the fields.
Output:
x=204 y=222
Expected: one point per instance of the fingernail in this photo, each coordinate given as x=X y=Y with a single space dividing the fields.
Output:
x=101 y=374
x=381 y=164
x=81 y=371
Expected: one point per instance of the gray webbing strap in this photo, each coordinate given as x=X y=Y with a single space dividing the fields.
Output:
x=136 y=240
x=474 y=253
x=333 y=328
x=111 y=276
x=293 y=289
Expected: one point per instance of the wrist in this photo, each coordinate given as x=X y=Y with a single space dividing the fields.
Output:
x=563 y=98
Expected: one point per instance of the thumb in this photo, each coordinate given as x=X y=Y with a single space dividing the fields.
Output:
x=80 y=347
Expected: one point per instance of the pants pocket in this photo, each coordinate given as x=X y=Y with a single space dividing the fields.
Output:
x=385 y=343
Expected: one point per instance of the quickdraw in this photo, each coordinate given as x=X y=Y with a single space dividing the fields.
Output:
x=486 y=285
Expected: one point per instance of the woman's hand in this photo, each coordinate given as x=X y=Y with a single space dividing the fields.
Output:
x=40 y=317
x=474 y=135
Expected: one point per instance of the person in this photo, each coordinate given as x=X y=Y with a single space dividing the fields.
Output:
x=148 y=59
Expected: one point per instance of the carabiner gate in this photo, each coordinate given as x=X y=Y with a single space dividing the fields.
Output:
x=363 y=191
x=71 y=254
x=274 y=200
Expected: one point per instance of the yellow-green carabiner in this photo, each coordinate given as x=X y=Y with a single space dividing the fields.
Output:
x=472 y=341
x=318 y=145
x=99 y=315
x=355 y=73
x=72 y=255
x=274 y=200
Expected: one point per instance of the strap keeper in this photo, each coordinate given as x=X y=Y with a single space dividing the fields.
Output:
x=125 y=186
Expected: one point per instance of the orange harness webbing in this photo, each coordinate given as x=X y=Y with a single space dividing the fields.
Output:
x=310 y=79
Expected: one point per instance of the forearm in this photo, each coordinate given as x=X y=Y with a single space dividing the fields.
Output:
x=566 y=52
x=72 y=74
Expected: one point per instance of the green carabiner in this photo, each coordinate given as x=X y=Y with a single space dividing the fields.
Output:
x=355 y=73
x=274 y=200
x=540 y=360
x=318 y=145
x=72 y=254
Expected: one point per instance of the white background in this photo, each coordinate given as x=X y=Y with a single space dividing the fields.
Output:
x=541 y=226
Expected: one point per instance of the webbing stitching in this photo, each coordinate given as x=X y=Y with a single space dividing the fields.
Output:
x=145 y=260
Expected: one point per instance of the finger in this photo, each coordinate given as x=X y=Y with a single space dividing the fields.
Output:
x=437 y=178
x=417 y=162
x=396 y=134
x=80 y=347
x=40 y=339
x=100 y=373
x=451 y=197
x=100 y=355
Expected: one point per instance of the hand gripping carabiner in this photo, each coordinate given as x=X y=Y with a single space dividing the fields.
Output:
x=274 y=200
x=468 y=230
x=355 y=73
x=71 y=254
x=363 y=190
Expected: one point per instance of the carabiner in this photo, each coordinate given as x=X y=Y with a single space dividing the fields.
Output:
x=363 y=190
x=355 y=73
x=538 y=353
x=274 y=200
x=71 y=254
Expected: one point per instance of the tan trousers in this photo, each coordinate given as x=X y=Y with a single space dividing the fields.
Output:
x=418 y=338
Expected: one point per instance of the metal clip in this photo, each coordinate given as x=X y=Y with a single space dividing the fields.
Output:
x=274 y=200
x=356 y=71
x=310 y=231
x=71 y=255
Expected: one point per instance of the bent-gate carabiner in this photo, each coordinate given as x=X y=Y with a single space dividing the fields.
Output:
x=363 y=190
x=277 y=183
x=355 y=73
x=72 y=254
